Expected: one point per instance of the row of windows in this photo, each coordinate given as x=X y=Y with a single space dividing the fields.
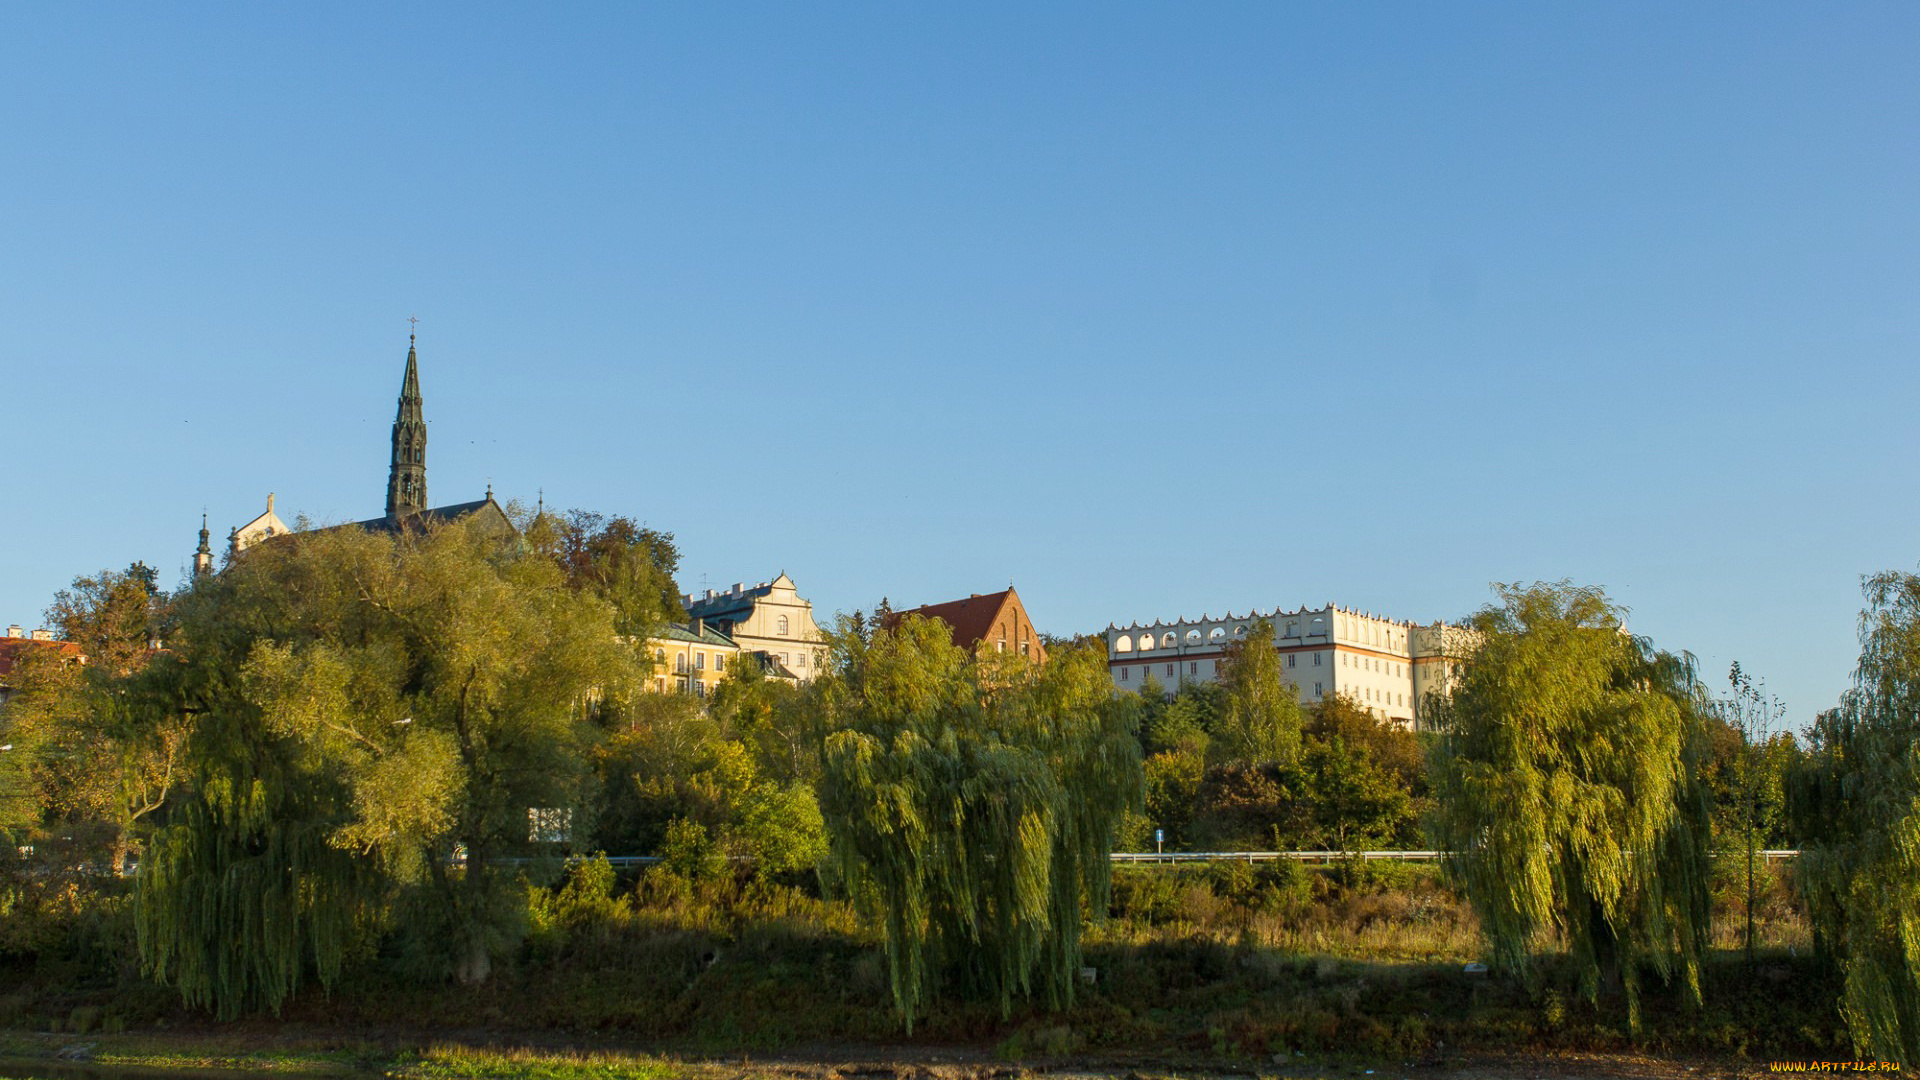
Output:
x=1385 y=698
x=1371 y=663
x=699 y=661
x=1193 y=668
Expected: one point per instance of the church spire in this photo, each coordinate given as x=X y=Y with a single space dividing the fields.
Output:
x=407 y=476
x=202 y=555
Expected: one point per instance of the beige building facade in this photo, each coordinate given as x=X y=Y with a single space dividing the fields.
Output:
x=771 y=617
x=691 y=658
x=1386 y=665
x=266 y=526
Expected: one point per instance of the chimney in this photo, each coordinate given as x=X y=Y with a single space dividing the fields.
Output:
x=15 y=631
x=699 y=627
x=711 y=594
x=43 y=635
x=738 y=588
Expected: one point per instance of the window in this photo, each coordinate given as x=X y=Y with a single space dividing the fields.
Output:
x=679 y=663
x=1316 y=659
x=1166 y=641
x=1000 y=646
x=659 y=656
x=719 y=661
x=1193 y=667
x=1169 y=669
x=1146 y=642
x=549 y=825
x=800 y=660
x=1316 y=690
x=782 y=626
x=1124 y=673
x=1124 y=644
x=1290 y=659
x=1024 y=648
x=700 y=661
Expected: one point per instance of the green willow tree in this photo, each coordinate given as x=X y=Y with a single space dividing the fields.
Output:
x=1567 y=776
x=1856 y=800
x=363 y=707
x=972 y=804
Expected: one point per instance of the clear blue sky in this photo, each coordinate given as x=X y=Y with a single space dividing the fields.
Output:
x=1151 y=309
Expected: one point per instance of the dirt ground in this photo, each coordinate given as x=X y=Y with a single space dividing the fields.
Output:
x=245 y=1051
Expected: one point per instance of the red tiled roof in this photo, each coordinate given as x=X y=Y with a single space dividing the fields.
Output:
x=971 y=619
x=11 y=650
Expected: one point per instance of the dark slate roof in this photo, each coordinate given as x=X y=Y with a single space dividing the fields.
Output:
x=727 y=605
x=436 y=516
x=683 y=632
x=771 y=664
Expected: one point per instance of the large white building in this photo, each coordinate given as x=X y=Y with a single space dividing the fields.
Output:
x=1386 y=665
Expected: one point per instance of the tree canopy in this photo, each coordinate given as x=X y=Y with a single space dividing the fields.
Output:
x=363 y=707
x=972 y=802
x=1857 y=801
x=1568 y=788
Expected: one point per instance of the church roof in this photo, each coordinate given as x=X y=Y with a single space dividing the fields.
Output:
x=436 y=516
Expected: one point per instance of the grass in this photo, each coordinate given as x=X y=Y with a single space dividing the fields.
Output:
x=1230 y=966
x=468 y=1063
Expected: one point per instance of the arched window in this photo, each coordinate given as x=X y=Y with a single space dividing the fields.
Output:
x=1124 y=644
x=782 y=631
x=1217 y=634
x=1146 y=642
x=1167 y=642
x=1239 y=631
x=1193 y=637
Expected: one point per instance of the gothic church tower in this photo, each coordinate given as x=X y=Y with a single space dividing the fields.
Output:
x=407 y=476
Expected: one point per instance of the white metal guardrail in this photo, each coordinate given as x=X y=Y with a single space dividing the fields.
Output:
x=1152 y=858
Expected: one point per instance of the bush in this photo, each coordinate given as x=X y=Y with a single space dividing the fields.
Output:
x=583 y=912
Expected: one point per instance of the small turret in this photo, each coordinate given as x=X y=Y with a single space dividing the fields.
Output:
x=202 y=555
